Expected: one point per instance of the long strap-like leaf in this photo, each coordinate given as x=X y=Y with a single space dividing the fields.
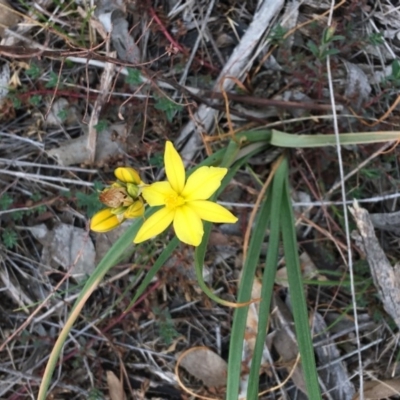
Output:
x=297 y=296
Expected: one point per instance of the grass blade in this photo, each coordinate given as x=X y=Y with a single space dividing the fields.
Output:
x=244 y=294
x=283 y=139
x=298 y=301
x=275 y=192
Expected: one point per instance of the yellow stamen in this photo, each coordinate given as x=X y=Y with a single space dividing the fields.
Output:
x=173 y=201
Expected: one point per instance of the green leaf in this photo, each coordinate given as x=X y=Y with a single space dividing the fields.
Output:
x=5 y=201
x=168 y=106
x=297 y=296
x=17 y=215
x=268 y=280
x=165 y=325
x=15 y=101
x=9 y=238
x=89 y=202
x=376 y=39
x=134 y=77
x=244 y=295
x=62 y=114
x=34 y=71
x=101 y=126
x=35 y=100
x=331 y=52
x=283 y=139
x=313 y=48
x=53 y=80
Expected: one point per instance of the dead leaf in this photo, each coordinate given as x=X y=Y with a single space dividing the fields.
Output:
x=68 y=246
x=112 y=16
x=375 y=390
x=115 y=387
x=357 y=85
x=205 y=365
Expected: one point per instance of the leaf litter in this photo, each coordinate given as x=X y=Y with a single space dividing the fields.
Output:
x=157 y=76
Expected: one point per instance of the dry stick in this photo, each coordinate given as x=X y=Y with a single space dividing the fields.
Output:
x=203 y=96
x=236 y=66
x=105 y=84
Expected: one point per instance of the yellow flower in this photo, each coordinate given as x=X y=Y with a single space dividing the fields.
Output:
x=122 y=199
x=185 y=202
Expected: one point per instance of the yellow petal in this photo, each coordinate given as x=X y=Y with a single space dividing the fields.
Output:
x=203 y=183
x=154 y=225
x=212 y=212
x=127 y=175
x=156 y=193
x=174 y=168
x=105 y=221
x=188 y=226
x=135 y=210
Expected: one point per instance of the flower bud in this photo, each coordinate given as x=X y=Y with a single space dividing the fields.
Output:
x=133 y=190
x=135 y=210
x=105 y=221
x=127 y=175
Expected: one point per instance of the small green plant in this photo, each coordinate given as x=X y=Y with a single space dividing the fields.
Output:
x=35 y=100
x=36 y=197
x=134 y=77
x=5 y=202
x=16 y=102
x=376 y=39
x=168 y=106
x=165 y=325
x=324 y=49
x=53 y=81
x=90 y=202
x=101 y=126
x=371 y=173
x=17 y=215
x=277 y=35
x=62 y=114
x=95 y=394
x=34 y=71
x=156 y=160
x=394 y=77
x=9 y=238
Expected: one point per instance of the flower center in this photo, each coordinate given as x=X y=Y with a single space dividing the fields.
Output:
x=173 y=201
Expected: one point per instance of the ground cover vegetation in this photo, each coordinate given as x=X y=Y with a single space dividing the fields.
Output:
x=177 y=186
